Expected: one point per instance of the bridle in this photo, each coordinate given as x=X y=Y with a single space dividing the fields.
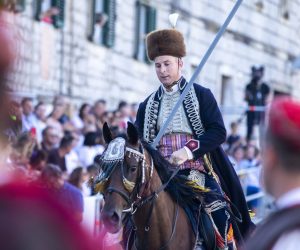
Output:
x=130 y=186
x=140 y=200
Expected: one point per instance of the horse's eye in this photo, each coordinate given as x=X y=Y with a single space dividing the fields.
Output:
x=133 y=169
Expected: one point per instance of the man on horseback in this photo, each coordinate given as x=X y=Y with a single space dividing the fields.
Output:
x=193 y=138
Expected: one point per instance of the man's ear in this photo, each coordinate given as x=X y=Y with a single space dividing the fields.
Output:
x=270 y=159
x=180 y=62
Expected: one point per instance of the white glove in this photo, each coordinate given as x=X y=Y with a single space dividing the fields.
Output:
x=180 y=156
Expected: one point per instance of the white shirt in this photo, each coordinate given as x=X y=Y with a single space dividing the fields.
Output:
x=87 y=154
x=72 y=161
x=28 y=122
x=40 y=126
x=288 y=241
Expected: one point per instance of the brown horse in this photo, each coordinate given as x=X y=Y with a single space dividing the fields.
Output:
x=136 y=187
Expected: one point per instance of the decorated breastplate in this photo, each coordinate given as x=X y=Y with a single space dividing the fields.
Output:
x=153 y=112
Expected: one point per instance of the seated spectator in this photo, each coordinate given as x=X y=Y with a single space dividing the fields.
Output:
x=93 y=171
x=133 y=113
x=69 y=196
x=50 y=140
x=251 y=157
x=91 y=147
x=72 y=159
x=234 y=138
x=40 y=120
x=124 y=114
x=28 y=120
x=79 y=120
x=99 y=109
x=22 y=150
x=53 y=119
x=238 y=155
x=252 y=179
x=11 y=118
x=38 y=161
x=57 y=156
x=64 y=105
x=79 y=179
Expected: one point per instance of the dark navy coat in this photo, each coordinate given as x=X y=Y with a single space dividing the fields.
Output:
x=210 y=141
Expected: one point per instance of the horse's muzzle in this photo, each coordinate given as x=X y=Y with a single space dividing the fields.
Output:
x=111 y=220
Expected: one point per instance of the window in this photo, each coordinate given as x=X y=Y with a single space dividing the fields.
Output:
x=19 y=6
x=146 y=22
x=103 y=22
x=259 y=5
x=226 y=91
x=50 y=11
x=284 y=9
x=16 y=6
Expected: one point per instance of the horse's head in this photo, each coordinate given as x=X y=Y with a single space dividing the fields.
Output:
x=125 y=172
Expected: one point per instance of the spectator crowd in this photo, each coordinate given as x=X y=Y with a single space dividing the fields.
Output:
x=56 y=135
x=64 y=138
x=245 y=157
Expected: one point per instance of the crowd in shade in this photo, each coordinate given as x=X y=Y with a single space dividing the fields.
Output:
x=70 y=140
x=245 y=157
x=32 y=213
x=57 y=150
x=47 y=156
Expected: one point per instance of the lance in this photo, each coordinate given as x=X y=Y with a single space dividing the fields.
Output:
x=197 y=71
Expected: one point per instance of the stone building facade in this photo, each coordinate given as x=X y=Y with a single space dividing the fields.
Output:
x=96 y=49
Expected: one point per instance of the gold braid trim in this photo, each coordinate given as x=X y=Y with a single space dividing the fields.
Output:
x=207 y=162
x=100 y=187
x=194 y=185
x=129 y=185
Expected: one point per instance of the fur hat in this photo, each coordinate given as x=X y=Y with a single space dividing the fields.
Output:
x=165 y=42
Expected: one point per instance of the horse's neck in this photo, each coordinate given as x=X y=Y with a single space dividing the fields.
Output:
x=161 y=219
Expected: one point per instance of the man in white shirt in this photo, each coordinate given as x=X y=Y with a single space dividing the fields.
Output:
x=28 y=120
x=281 y=174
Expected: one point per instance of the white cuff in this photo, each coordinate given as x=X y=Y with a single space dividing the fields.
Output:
x=189 y=153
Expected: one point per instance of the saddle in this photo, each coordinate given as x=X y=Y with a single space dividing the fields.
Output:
x=202 y=226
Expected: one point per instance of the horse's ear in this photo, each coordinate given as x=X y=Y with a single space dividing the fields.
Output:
x=106 y=133
x=132 y=133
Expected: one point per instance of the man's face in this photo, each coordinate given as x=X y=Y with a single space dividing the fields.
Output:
x=168 y=69
x=257 y=74
x=99 y=109
x=125 y=111
x=27 y=108
x=41 y=112
x=52 y=137
x=69 y=148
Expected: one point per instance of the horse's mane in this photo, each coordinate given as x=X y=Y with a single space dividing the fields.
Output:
x=178 y=188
